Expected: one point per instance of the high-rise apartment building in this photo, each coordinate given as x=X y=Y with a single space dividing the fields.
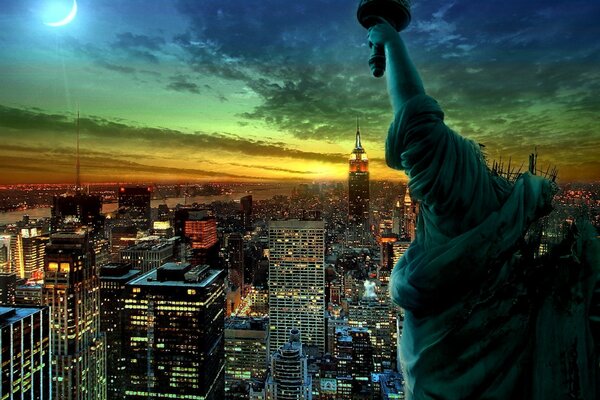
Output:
x=72 y=290
x=173 y=341
x=147 y=255
x=297 y=282
x=25 y=353
x=289 y=378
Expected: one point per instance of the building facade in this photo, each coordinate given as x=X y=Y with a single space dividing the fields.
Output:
x=173 y=339
x=72 y=290
x=297 y=282
x=25 y=353
x=358 y=191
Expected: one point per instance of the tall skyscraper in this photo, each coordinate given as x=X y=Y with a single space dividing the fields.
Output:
x=246 y=212
x=72 y=290
x=25 y=353
x=134 y=206
x=72 y=211
x=289 y=378
x=297 y=282
x=27 y=252
x=235 y=252
x=8 y=287
x=173 y=341
x=113 y=278
x=358 y=189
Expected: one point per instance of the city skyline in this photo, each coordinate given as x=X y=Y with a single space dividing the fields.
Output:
x=229 y=91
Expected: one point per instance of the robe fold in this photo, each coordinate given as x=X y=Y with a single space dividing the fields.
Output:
x=484 y=319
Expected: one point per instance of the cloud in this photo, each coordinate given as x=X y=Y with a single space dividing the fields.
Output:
x=121 y=135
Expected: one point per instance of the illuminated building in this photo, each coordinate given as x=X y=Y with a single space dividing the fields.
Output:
x=391 y=251
x=162 y=229
x=377 y=317
x=173 y=333
x=198 y=229
x=113 y=278
x=409 y=218
x=27 y=252
x=297 y=282
x=134 y=206
x=358 y=190
x=289 y=378
x=5 y=264
x=29 y=294
x=354 y=358
x=8 y=286
x=25 y=354
x=147 y=255
x=245 y=350
x=121 y=237
x=71 y=212
x=72 y=290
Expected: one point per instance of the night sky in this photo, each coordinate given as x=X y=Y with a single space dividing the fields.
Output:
x=233 y=90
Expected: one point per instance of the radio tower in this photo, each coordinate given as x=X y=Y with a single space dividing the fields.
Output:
x=77 y=168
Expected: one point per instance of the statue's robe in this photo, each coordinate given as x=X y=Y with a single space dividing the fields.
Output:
x=484 y=319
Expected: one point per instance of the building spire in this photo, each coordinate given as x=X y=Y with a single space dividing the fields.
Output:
x=358 y=144
x=77 y=166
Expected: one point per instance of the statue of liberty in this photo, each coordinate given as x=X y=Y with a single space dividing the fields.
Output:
x=484 y=317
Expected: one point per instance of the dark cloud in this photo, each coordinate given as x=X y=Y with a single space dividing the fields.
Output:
x=120 y=134
x=139 y=46
x=181 y=83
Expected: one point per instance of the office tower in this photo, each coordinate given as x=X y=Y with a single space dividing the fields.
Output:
x=297 y=282
x=8 y=287
x=289 y=378
x=113 y=278
x=25 y=356
x=121 y=237
x=246 y=355
x=134 y=206
x=353 y=353
x=27 y=251
x=358 y=189
x=72 y=290
x=246 y=212
x=235 y=252
x=173 y=333
x=147 y=255
x=75 y=211
x=162 y=229
x=335 y=321
x=377 y=317
x=198 y=229
x=391 y=250
x=29 y=293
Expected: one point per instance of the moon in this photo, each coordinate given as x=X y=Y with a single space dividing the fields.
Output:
x=66 y=19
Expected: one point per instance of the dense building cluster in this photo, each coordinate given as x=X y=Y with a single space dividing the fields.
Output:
x=281 y=298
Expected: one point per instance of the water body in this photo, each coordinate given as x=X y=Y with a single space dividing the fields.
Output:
x=262 y=192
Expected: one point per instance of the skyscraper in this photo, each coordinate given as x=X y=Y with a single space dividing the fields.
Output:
x=246 y=212
x=198 y=229
x=289 y=378
x=173 y=341
x=113 y=278
x=70 y=212
x=25 y=353
x=297 y=282
x=72 y=290
x=134 y=206
x=358 y=189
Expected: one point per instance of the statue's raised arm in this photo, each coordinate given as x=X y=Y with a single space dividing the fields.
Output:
x=482 y=319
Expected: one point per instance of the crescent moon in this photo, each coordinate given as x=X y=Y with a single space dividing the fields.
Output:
x=67 y=19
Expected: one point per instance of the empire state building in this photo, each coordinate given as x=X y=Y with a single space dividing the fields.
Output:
x=358 y=186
